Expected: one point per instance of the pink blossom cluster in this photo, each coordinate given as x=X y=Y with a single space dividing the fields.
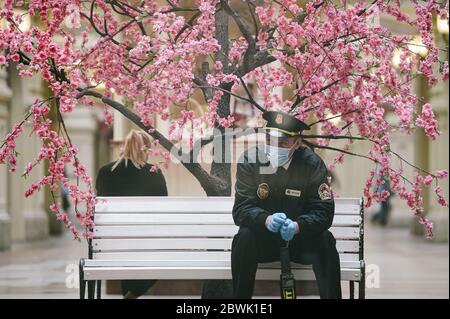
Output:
x=428 y=122
x=8 y=153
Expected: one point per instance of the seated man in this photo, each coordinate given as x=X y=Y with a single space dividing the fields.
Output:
x=282 y=194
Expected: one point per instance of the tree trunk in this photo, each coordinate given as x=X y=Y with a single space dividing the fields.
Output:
x=220 y=169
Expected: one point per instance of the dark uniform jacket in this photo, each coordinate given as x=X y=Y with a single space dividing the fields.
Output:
x=301 y=191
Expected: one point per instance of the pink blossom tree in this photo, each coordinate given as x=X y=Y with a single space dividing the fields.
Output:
x=156 y=55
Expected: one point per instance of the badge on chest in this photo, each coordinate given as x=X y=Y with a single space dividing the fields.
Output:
x=263 y=191
x=293 y=192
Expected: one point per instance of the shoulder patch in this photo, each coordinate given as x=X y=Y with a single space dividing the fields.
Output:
x=263 y=191
x=324 y=191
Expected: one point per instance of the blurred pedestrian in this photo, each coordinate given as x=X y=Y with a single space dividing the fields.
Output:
x=65 y=203
x=381 y=216
x=131 y=175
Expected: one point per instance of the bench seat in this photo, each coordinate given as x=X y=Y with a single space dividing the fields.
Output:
x=189 y=238
x=110 y=270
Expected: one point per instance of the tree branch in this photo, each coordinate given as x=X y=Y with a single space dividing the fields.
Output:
x=259 y=107
x=334 y=137
x=210 y=184
x=233 y=94
x=241 y=25
x=261 y=58
x=187 y=25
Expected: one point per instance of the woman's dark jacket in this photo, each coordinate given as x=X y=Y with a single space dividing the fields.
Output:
x=130 y=181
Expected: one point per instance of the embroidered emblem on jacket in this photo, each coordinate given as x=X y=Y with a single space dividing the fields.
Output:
x=279 y=119
x=324 y=191
x=263 y=190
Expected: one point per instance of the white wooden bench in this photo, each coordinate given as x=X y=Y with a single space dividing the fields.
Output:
x=186 y=238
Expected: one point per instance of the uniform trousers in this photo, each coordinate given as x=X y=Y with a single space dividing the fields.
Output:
x=251 y=247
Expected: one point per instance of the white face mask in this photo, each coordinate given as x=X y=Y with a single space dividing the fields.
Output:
x=278 y=156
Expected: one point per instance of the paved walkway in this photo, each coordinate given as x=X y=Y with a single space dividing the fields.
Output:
x=408 y=267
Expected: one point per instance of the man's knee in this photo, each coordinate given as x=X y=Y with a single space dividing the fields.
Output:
x=245 y=238
x=327 y=239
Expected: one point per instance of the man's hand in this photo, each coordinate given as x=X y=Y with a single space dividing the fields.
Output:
x=275 y=221
x=288 y=229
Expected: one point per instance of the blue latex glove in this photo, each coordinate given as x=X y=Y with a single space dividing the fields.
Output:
x=275 y=222
x=288 y=229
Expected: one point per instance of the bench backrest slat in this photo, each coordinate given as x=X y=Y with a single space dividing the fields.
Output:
x=185 y=255
x=196 y=205
x=192 y=219
x=167 y=244
x=148 y=231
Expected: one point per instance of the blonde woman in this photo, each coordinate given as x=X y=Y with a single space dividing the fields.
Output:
x=131 y=175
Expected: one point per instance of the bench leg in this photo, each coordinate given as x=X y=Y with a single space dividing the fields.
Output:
x=362 y=283
x=352 y=290
x=91 y=289
x=99 y=289
x=82 y=282
x=362 y=289
x=82 y=288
